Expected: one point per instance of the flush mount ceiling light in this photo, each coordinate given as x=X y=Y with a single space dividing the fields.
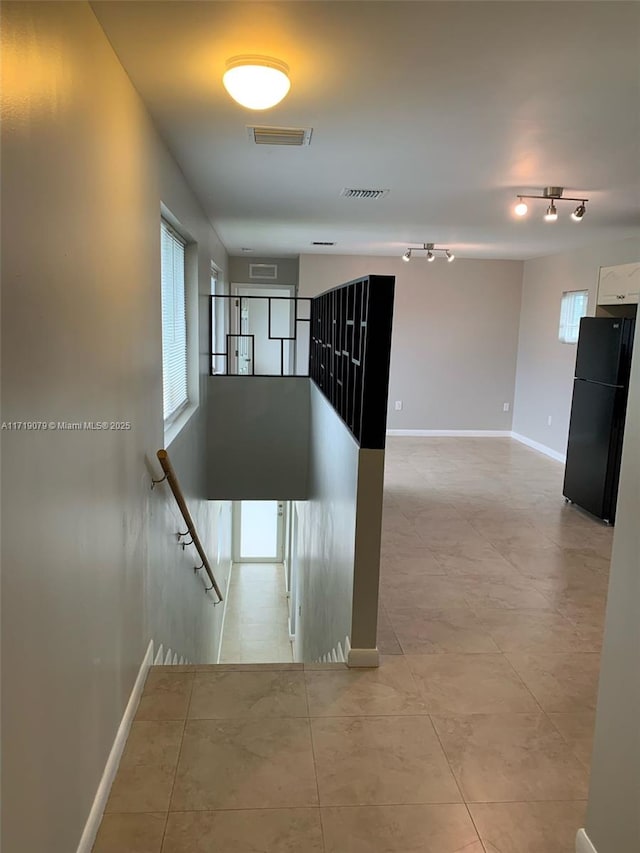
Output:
x=431 y=250
x=256 y=82
x=552 y=195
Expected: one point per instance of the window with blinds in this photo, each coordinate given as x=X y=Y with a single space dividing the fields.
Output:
x=572 y=309
x=174 y=324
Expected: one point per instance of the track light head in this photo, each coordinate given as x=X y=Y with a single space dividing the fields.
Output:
x=407 y=255
x=521 y=208
x=430 y=256
x=450 y=256
x=552 y=213
x=579 y=212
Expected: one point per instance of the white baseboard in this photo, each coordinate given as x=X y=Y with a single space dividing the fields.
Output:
x=461 y=433
x=482 y=433
x=583 y=843
x=541 y=448
x=100 y=801
x=363 y=658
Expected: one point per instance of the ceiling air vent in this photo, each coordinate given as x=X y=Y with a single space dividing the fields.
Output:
x=323 y=243
x=348 y=192
x=280 y=135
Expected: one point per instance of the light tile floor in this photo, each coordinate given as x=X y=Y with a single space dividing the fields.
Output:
x=473 y=735
x=256 y=622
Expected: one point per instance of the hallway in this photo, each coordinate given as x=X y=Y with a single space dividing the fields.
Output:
x=256 y=618
x=474 y=734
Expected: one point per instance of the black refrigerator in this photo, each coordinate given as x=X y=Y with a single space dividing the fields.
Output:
x=598 y=409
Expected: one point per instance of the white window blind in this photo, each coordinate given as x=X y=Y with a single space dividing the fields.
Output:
x=572 y=308
x=174 y=324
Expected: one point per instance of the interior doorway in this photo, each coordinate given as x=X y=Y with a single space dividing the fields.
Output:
x=265 y=327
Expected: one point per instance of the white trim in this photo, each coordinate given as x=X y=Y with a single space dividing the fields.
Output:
x=102 y=794
x=159 y=658
x=363 y=658
x=583 y=843
x=224 y=609
x=541 y=448
x=468 y=433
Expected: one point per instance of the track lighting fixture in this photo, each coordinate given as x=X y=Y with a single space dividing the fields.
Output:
x=552 y=195
x=430 y=249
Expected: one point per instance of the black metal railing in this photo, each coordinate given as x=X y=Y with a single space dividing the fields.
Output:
x=242 y=338
x=350 y=353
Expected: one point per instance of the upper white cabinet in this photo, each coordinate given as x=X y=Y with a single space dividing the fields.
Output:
x=619 y=285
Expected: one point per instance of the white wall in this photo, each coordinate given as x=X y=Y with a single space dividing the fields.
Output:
x=455 y=336
x=91 y=569
x=544 y=380
x=613 y=814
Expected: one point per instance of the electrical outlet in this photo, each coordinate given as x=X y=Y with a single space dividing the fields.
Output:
x=398 y=405
x=549 y=421
x=505 y=407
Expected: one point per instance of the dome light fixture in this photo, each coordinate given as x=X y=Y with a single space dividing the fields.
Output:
x=430 y=249
x=552 y=195
x=256 y=82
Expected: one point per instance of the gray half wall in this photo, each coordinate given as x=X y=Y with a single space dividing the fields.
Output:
x=258 y=437
x=326 y=534
x=366 y=575
x=338 y=538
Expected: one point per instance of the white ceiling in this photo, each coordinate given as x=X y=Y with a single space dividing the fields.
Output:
x=452 y=106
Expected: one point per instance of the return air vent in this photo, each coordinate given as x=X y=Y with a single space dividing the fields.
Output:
x=280 y=135
x=269 y=271
x=322 y=243
x=348 y=192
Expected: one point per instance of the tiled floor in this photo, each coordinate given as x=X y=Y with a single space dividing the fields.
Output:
x=256 y=626
x=474 y=733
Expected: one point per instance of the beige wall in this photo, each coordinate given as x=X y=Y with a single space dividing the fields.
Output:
x=91 y=569
x=455 y=335
x=544 y=380
x=287 y=272
x=613 y=814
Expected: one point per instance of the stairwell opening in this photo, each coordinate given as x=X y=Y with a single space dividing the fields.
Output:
x=258 y=625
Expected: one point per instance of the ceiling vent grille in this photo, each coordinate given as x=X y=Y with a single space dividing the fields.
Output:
x=349 y=192
x=280 y=135
x=323 y=243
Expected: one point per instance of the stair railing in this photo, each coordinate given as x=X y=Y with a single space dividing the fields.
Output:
x=174 y=485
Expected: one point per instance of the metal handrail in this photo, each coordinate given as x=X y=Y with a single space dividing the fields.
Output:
x=170 y=477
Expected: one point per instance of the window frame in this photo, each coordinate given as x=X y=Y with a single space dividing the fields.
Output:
x=568 y=329
x=171 y=420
